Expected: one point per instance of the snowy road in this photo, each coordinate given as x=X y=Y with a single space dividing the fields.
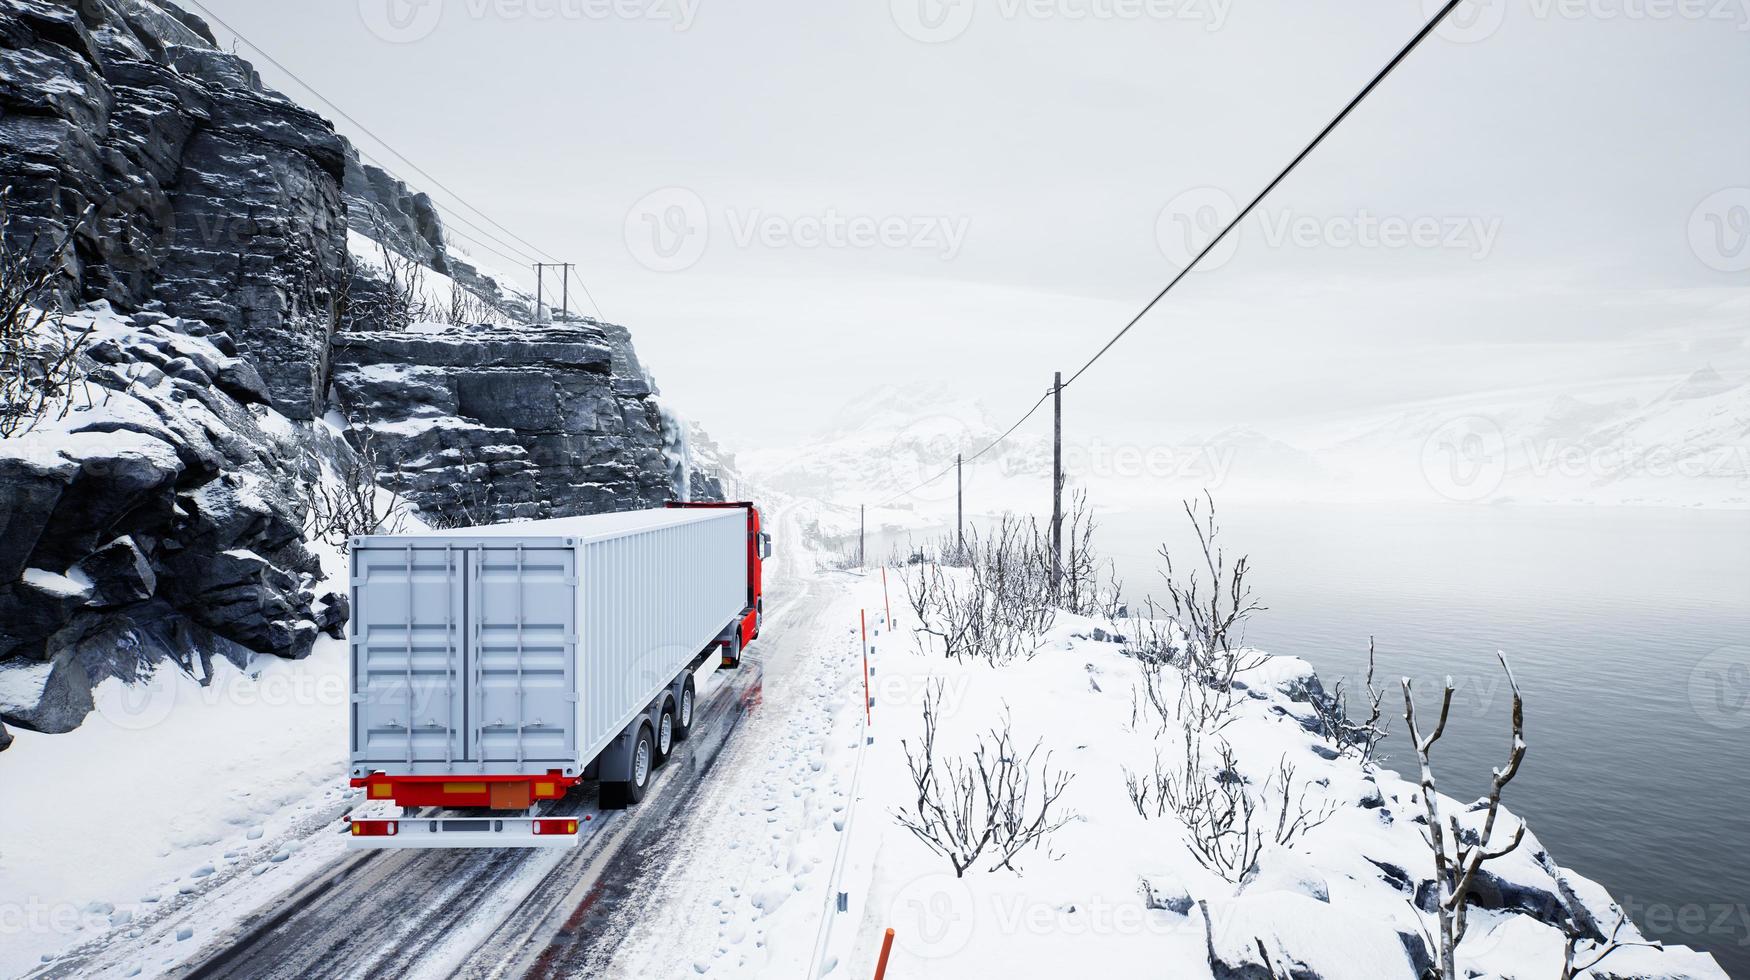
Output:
x=723 y=824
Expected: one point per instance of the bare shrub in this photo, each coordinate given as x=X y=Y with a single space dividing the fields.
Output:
x=1353 y=734
x=1226 y=826
x=1224 y=829
x=1152 y=646
x=465 y=308
x=1002 y=610
x=353 y=502
x=999 y=803
x=40 y=367
x=1090 y=583
x=475 y=506
x=1455 y=871
x=395 y=301
x=1211 y=604
x=1294 y=815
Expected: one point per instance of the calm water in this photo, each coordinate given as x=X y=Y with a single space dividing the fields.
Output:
x=1629 y=631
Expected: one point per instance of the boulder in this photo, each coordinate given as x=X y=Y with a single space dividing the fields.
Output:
x=119 y=573
x=36 y=606
x=240 y=380
x=246 y=599
x=119 y=472
x=1164 y=891
x=1282 y=870
x=5 y=737
x=51 y=698
x=333 y=612
x=32 y=479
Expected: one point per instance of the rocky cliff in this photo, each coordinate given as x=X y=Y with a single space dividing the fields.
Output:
x=220 y=241
x=483 y=424
x=201 y=189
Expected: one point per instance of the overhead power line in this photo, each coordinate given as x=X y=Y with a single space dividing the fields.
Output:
x=527 y=254
x=1337 y=120
x=586 y=293
x=416 y=168
x=1247 y=210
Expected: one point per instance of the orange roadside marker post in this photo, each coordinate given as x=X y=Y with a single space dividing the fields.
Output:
x=886 y=947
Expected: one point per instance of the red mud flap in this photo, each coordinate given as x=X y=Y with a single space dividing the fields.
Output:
x=409 y=833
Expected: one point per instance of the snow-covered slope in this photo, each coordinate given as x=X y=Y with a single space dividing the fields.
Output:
x=1117 y=894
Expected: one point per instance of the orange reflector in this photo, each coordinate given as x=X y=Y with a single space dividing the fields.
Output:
x=382 y=791
x=546 y=789
x=464 y=788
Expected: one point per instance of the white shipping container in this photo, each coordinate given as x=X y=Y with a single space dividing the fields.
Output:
x=521 y=649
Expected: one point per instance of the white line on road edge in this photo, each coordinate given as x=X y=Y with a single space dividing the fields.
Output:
x=824 y=935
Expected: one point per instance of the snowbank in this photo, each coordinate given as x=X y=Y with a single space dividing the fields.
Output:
x=1116 y=894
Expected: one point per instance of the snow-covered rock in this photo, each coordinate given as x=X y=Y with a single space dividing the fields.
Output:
x=490 y=423
x=157 y=519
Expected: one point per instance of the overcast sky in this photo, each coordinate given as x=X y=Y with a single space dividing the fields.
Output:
x=794 y=200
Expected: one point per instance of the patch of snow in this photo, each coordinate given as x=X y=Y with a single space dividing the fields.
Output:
x=57 y=584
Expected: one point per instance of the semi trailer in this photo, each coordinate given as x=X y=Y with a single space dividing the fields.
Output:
x=495 y=668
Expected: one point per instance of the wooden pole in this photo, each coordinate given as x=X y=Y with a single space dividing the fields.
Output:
x=862 y=532
x=959 y=508
x=565 y=291
x=886 y=600
x=1056 y=485
x=539 y=294
x=886 y=948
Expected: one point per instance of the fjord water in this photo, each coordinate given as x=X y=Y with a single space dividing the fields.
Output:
x=1629 y=632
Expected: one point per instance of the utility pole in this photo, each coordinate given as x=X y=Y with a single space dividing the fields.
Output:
x=959 y=509
x=564 y=288
x=862 y=529
x=540 y=294
x=1056 y=485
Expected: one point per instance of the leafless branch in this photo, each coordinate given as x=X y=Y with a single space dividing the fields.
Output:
x=40 y=368
x=1596 y=951
x=998 y=801
x=1456 y=872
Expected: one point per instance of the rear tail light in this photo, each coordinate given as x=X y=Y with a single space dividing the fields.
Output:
x=374 y=828
x=546 y=828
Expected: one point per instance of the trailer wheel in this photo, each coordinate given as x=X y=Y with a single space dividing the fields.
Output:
x=732 y=652
x=683 y=716
x=619 y=795
x=665 y=726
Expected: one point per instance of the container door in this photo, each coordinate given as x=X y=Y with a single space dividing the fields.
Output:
x=409 y=703
x=523 y=605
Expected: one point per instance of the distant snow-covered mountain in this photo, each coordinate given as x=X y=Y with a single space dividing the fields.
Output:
x=1663 y=442
x=1681 y=444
